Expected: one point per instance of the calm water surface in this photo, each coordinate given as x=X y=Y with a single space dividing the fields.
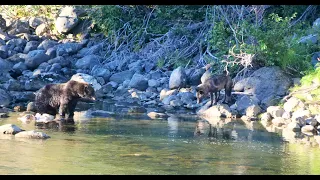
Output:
x=137 y=145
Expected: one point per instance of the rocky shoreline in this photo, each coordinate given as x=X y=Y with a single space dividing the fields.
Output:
x=30 y=59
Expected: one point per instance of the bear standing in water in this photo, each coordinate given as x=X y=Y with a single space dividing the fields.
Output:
x=62 y=98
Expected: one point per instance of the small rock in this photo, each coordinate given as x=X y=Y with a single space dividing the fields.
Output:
x=32 y=134
x=155 y=115
x=4 y=115
x=10 y=129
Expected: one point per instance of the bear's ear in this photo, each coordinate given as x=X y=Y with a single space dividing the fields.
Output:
x=199 y=87
x=86 y=87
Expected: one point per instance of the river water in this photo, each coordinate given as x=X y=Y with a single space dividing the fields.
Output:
x=135 y=145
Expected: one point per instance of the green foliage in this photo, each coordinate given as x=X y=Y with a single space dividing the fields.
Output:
x=218 y=36
x=19 y=11
x=313 y=76
x=276 y=44
x=145 y=21
x=160 y=63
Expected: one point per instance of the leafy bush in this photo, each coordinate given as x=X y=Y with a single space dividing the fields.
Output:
x=276 y=44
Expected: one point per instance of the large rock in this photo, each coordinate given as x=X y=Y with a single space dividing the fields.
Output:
x=244 y=102
x=42 y=29
x=265 y=83
x=46 y=44
x=166 y=92
x=18 y=27
x=220 y=110
x=25 y=96
x=120 y=77
x=92 y=50
x=60 y=60
x=34 y=22
x=35 y=58
x=17 y=45
x=68 y=49
x=88 y=62
x=5 y=65
x=66 y=20
x=139 y=82
x=292 y=104
x=30 y=46
x=194 y=76
x=13 y=85
x=178 y=78
x=275 y=111
x=98 y=71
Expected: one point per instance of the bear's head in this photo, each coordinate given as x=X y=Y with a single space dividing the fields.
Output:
x=87 y=92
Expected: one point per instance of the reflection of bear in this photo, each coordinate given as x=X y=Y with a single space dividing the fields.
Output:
x=62 y=98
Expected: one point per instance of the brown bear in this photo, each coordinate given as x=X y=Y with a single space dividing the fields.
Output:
x=62 y=98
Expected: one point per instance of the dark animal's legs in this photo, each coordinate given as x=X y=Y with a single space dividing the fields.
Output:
x=216 y=97
x=227 y=95
x=211 y=97
x=71 y=108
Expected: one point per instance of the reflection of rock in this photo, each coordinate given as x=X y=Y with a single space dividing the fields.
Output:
x=32 y=135
x=26 y=118
x=173 y=124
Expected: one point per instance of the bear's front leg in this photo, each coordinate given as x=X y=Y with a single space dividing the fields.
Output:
x=62 y=111
x=71 y=107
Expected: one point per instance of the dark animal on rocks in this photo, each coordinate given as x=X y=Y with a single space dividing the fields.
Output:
x=214 y=84
x=62 y=98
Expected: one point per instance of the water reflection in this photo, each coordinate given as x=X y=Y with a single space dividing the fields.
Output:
x=177 y=145
x=67 y=125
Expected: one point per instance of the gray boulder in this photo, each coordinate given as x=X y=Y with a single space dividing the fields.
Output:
x=120 y=77
x=98 y=71
x=66 y=20
x=35 y=58
x=5 y=65
x=139 y=82
x=68 y=49
x=18 y=26
x=178 y=78
x=30 y=46
x=88 y=62
x=265 y=83
x=34 y=22
x=46 y=44
x=194 y=76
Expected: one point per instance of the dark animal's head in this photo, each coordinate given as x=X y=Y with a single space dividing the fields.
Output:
x=201 y=92
x=87 y=92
